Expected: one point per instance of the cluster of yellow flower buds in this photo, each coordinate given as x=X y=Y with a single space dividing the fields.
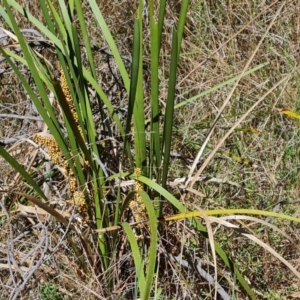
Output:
x=137 y=204
x=68 y=96
x=57 y=158
x=78 y=199
x=55 y=154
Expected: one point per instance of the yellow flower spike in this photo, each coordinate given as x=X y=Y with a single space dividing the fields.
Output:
x=137 y=205
x=47 y=140
x=68 y=96
x=57 y=158
x=79 y=200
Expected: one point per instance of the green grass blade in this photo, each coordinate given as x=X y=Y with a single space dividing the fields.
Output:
x=181 y=22
x=168 y=124
x=134 y=73
x=46 y=15
x=133 y=84
x=155 y=140
x=110 y=41
x=87 y=112
x=85 y=36
x=64 y=22
x=153 y=244
x=156 y=28
x=137 y=257
x=161 y=16
x=78 y=71
x=146 y=283
x=138 y=111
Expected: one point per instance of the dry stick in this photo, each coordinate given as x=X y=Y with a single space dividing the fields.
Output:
x=12 y=140
x=21 y=117
x=222 y=109
x=214 y=52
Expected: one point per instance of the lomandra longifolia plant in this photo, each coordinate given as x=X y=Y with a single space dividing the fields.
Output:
x=96 y=167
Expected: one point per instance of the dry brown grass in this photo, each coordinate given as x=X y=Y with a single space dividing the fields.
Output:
x=211 y=53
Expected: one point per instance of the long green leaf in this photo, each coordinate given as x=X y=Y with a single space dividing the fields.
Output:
x=138 y=111
x=137 y=257
x=153 y=244
x=46 y=17
x=85 y=36
x=133 y=84
x=109 y=39
x=168 y=124
x=155 y=156
x=156 y=27
x=181 y=23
